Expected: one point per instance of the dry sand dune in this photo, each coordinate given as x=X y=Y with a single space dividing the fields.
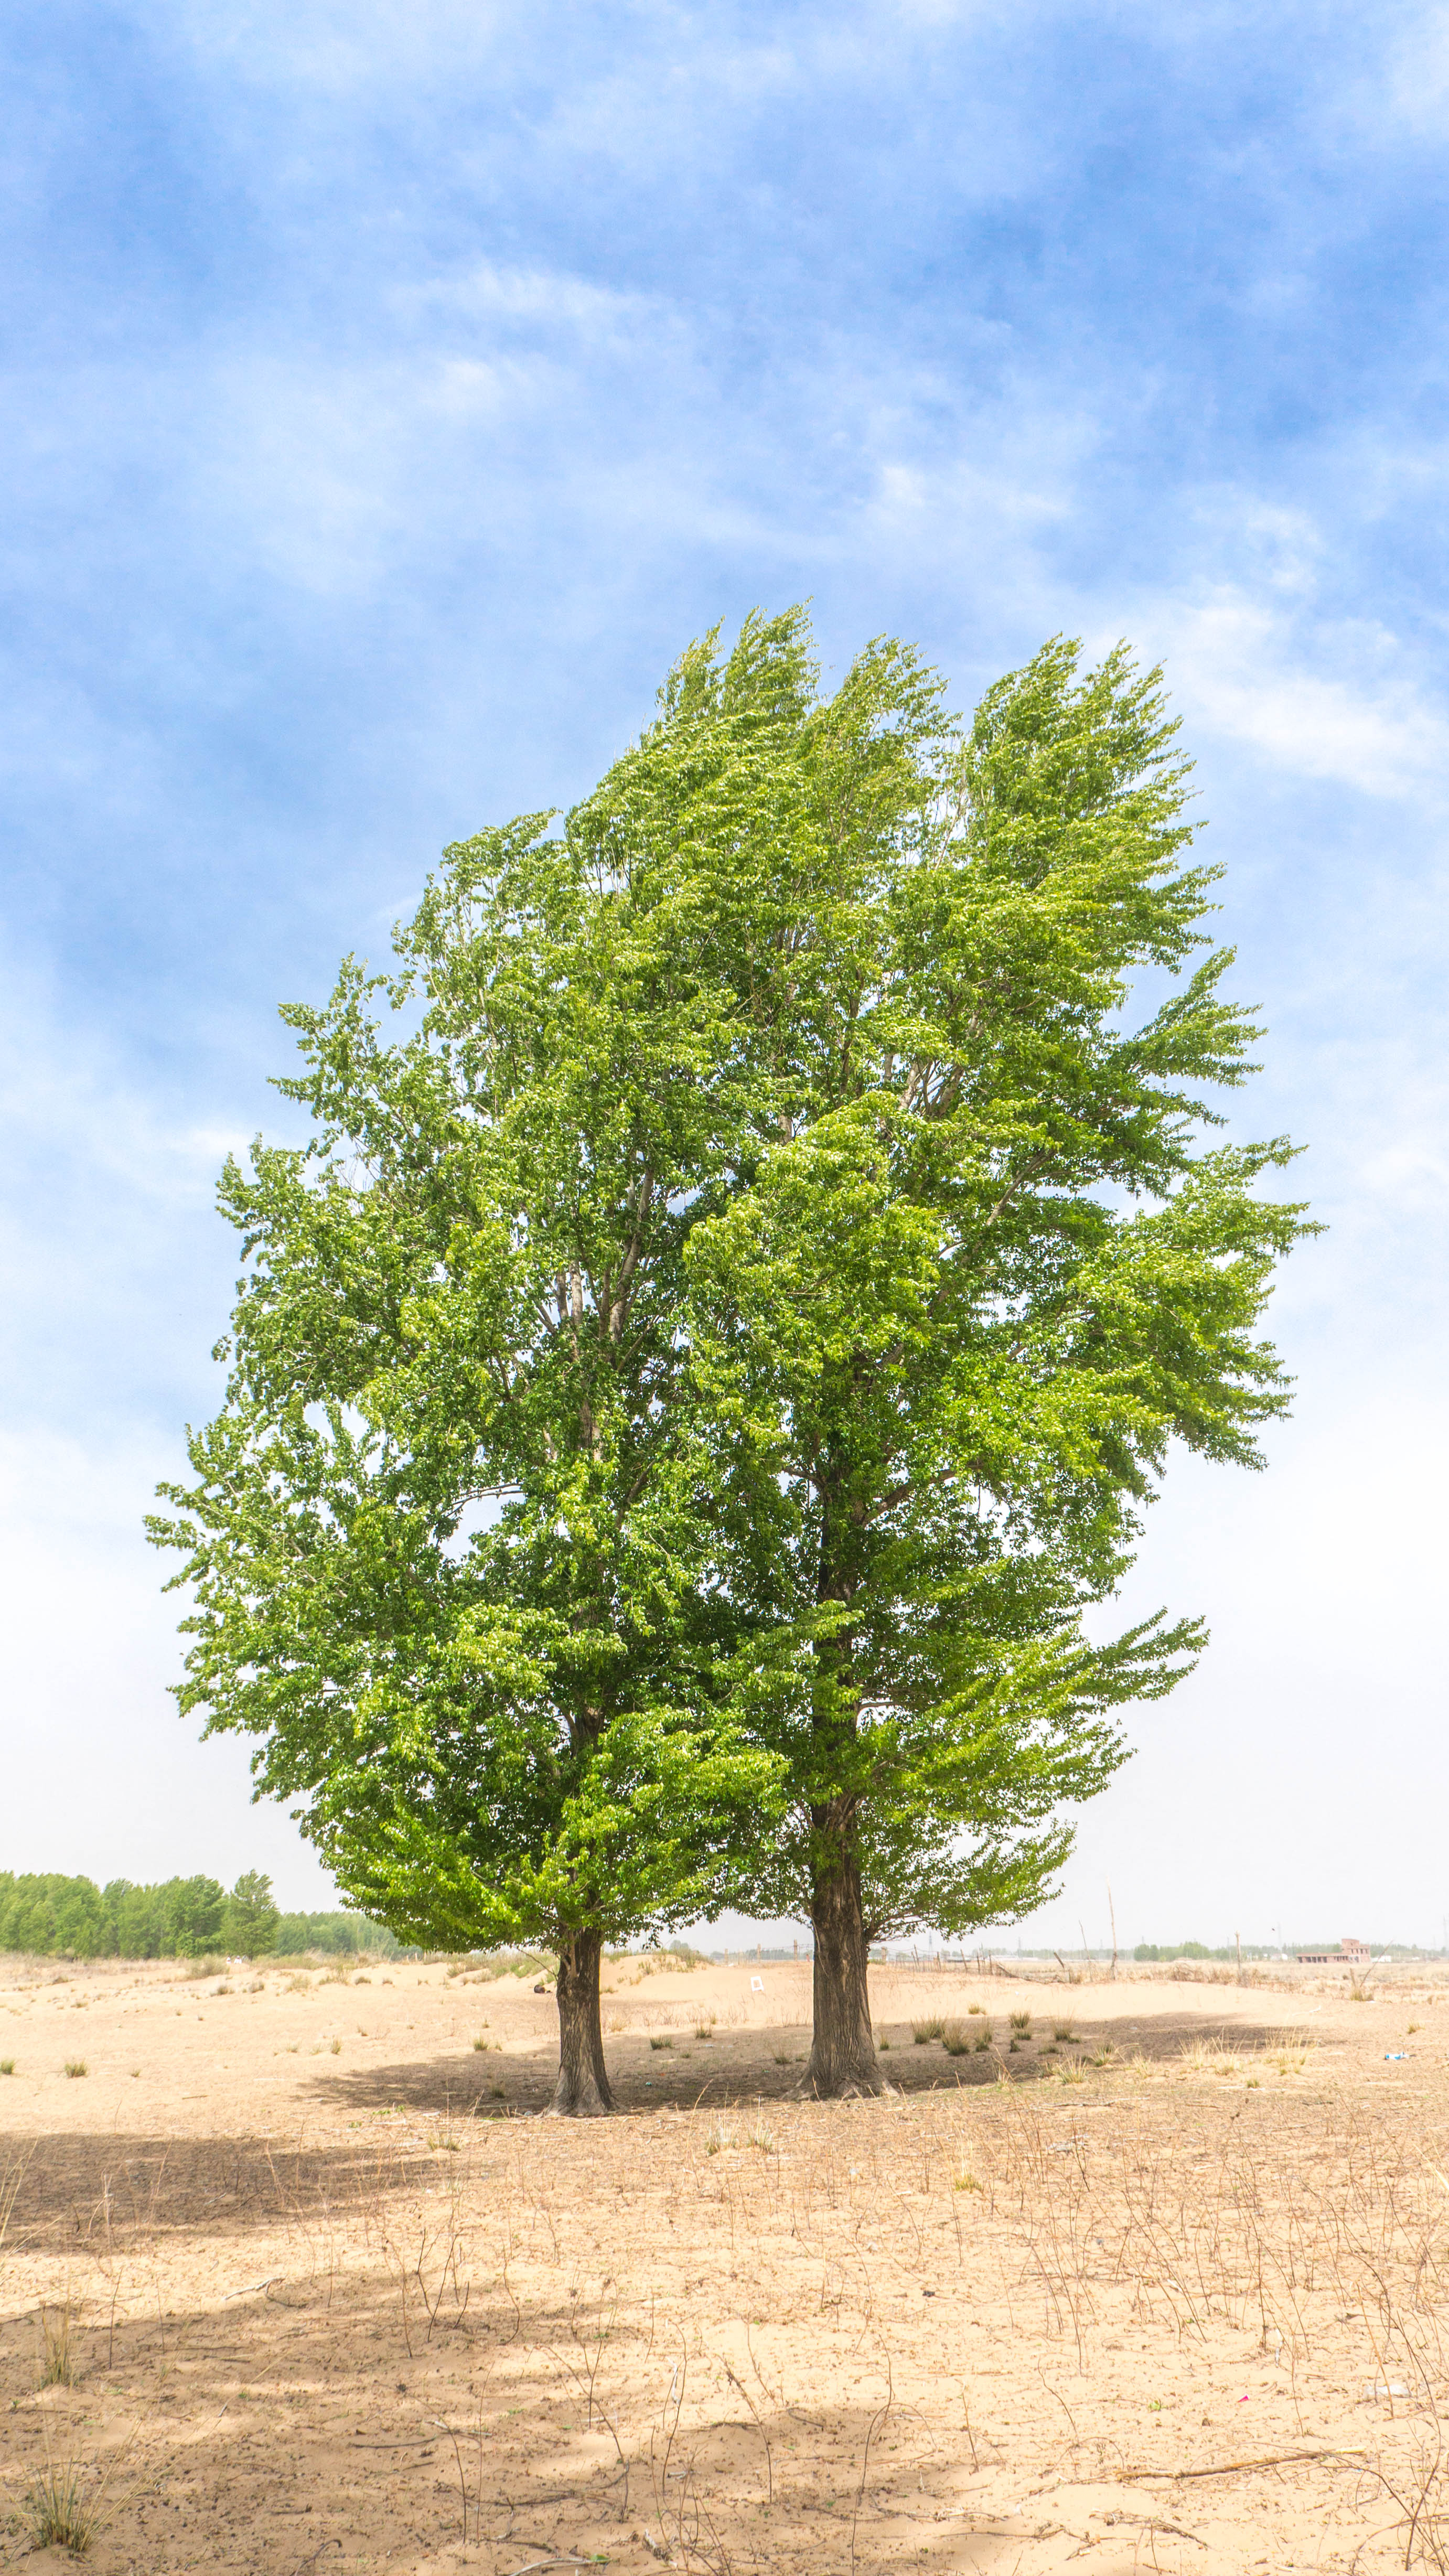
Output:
x=1162 y=2294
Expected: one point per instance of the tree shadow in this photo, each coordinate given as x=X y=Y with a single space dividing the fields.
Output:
x=753 y=2065
x=93 y=2193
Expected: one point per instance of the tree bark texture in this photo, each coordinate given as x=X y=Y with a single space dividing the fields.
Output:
x=843 y=2061
x=583 y=2079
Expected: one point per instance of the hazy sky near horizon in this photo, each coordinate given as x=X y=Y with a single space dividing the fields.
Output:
x=391 y=390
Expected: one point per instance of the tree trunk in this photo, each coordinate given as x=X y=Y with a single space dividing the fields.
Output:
x=583 y=2079
x=843 y=2061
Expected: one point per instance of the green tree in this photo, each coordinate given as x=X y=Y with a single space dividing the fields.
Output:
x=453 y=1542
x=193 y=1911
x=249 y=1925
x=984 y=1272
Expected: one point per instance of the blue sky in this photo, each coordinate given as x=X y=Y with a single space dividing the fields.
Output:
x=390 y=391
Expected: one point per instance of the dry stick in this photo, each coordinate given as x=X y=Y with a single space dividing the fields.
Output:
x=1230 y=2468
x=878 y=2418
x=458 y=2456
x=736 y=2382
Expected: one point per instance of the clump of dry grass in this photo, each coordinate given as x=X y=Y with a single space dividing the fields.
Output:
x=933 y=2027
x=1063 y=2030
x=660 y=2041
x=955 y=2038
x=64 y=2505
x=1021 y=2025
x=705 y=2029
x=76 y=2066
x=7 y=2065
x=57 y=2354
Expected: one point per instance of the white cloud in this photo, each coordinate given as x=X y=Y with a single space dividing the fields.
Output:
x=1239 y=667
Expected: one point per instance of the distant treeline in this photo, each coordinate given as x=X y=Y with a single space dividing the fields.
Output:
x=178 y=1918
x=1198 y=1950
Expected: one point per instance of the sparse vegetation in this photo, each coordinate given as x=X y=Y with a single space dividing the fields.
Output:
x=7 y=2065
x=1135 y=2237
x=76 y=2066
x=955 y=2038
x=931 y=2027
x=1021 y=2024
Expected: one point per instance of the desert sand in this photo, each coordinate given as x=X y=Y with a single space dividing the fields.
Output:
x=1163 y=2292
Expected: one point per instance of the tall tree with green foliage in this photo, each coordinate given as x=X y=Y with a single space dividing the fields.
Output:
x=453 y=1539
x=984 y=1273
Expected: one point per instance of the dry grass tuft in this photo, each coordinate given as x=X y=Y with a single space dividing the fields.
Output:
x=64 y=2505
x=57 y=2354
x=933 y=2027
x=76 y=2066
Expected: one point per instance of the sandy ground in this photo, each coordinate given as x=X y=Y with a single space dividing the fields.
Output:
x=1165 y=2293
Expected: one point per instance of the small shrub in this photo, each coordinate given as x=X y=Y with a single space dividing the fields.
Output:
x=496 y=2093
x=965 y=2182
x=480 y=2043
x=762 y=2139
x=299 y=1985
x=1073 y=2072
x=955 y=2039
x=1063 y=2030
x=76 y=2066
x=704 y=2029
x=983 y=2036
x=661 y=2043
x=975 y=2008
x=782 y=2056
x=922 y=2031
x=884 y=2046
x=1021 y=2024
x=7 y=2065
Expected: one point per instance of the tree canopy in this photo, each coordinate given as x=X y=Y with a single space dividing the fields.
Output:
x=746 y=1272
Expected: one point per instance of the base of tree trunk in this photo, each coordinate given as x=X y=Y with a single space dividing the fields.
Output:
x=582 y=2091
x=843 y=2064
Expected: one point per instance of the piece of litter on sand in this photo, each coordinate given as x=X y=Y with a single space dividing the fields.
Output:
x=1395 y=2056
x=1384 y=2388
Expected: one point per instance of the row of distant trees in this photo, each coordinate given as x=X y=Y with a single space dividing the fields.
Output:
x=51 y=1916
